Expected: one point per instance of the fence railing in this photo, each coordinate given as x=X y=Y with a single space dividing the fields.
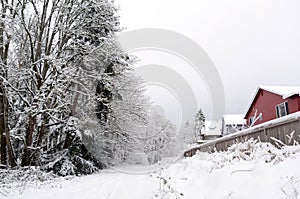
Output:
x=285 y=129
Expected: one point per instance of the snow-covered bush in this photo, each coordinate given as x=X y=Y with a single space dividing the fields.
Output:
x=18 y=180
x=75 y=159
x=250 y=150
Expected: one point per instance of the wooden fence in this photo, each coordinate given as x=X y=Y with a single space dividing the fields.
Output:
x=280 y=129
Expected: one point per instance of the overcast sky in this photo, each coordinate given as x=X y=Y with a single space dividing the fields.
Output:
x=251 y=42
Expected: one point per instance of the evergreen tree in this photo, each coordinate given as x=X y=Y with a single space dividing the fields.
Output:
x=199 y=123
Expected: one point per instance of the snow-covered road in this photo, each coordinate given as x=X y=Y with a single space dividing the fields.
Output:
x=109 y=184
x=250 y=170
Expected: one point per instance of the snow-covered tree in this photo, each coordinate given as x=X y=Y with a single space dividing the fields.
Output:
x=59 y=60
x=121 y=135
x=69 y=101
x=186 y=135
x=199 y=122
x=160 y=138
x=7 y=17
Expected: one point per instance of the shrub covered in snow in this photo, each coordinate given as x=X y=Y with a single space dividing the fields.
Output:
x=74 y=160
x=250 y=150
x=250 y=169
x=19 y=179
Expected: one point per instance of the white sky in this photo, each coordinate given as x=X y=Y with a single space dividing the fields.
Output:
x=251 y=42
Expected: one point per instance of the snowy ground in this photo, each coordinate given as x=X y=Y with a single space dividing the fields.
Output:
x=250 y=170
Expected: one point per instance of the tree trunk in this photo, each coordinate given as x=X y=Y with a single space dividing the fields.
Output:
x=10 y=152
x=26 y=159
x=2 y=101
x=3 y=142
x=6 y=148
x=44 y=130
x=75 y=102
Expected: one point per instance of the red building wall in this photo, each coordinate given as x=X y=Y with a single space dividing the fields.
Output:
x=265 y=102
x=294 y=102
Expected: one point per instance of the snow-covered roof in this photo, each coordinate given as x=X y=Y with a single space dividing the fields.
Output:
x=234 y=119
x=284 y=91
x=212 y=128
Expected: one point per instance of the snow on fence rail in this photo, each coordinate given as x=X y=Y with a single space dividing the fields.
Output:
x=286 y=129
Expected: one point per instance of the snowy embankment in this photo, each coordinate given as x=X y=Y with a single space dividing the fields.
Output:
x=246 y=170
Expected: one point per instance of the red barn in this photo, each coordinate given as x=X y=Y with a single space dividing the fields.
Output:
x=271 y=102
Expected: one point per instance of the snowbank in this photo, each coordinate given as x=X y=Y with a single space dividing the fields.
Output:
x=246 y=170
